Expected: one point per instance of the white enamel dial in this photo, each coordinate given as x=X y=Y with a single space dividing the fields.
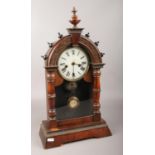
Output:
x=73 y=64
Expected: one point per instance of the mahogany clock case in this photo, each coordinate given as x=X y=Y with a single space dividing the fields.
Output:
x=65 y=124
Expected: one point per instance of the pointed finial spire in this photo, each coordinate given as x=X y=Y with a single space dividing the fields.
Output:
x=74 y=19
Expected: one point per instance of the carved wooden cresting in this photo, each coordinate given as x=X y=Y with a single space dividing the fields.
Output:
x=64 y=124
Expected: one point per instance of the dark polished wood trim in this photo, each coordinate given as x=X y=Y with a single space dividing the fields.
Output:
x=65 y=42
x=73 y=133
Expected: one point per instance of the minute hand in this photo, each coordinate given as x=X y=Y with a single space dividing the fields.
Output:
x=73 y=74
x=78 y=64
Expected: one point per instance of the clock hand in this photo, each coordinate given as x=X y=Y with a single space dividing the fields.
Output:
x=65 y=66
x=82 y=63
x=73 y=74
x=64 y=69
x=76 y=64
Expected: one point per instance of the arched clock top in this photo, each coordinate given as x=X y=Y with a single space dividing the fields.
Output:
x=65 y=42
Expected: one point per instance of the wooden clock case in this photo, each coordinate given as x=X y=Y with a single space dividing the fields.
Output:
x=53 y=131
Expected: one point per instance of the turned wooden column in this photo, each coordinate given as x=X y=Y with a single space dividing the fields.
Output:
x=51 y=95
x=96 y=94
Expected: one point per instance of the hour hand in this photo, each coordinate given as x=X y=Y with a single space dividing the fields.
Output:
x=76 y=64
x=83 y=63
x=64 y=69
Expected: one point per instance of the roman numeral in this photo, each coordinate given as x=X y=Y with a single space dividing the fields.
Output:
x=84 y=62
x=62 y=64
x=68 y=73
x=73 y=74
x=82 y=68
x=79 y=73
x=67 y=54
x=63 y=58
x=78 y=53
x=73 y=52
x=82 y=57
x=63 y=69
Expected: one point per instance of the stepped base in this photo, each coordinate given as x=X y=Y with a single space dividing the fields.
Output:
x=61 y=135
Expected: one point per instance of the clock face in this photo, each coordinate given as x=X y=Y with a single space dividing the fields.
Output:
x=73 y=64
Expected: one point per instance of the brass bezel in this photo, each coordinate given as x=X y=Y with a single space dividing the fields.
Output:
x=75 y=99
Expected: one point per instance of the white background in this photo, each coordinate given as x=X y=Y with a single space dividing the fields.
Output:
x=103 y=19
x=138 y=70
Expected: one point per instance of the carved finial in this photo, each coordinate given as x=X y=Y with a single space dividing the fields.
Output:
x=50 y=44
x=96 y=43
x=102 y=54
x=44 y=57
x=87 y=35
x=60 y=35
x=74 y=19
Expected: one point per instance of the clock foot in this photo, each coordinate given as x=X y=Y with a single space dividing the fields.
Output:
x=60 y=136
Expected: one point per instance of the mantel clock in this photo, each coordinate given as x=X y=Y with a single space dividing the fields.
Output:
x=72 y=70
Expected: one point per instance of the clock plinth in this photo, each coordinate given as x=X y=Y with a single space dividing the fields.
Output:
x=56 y=136
x=72 y=72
